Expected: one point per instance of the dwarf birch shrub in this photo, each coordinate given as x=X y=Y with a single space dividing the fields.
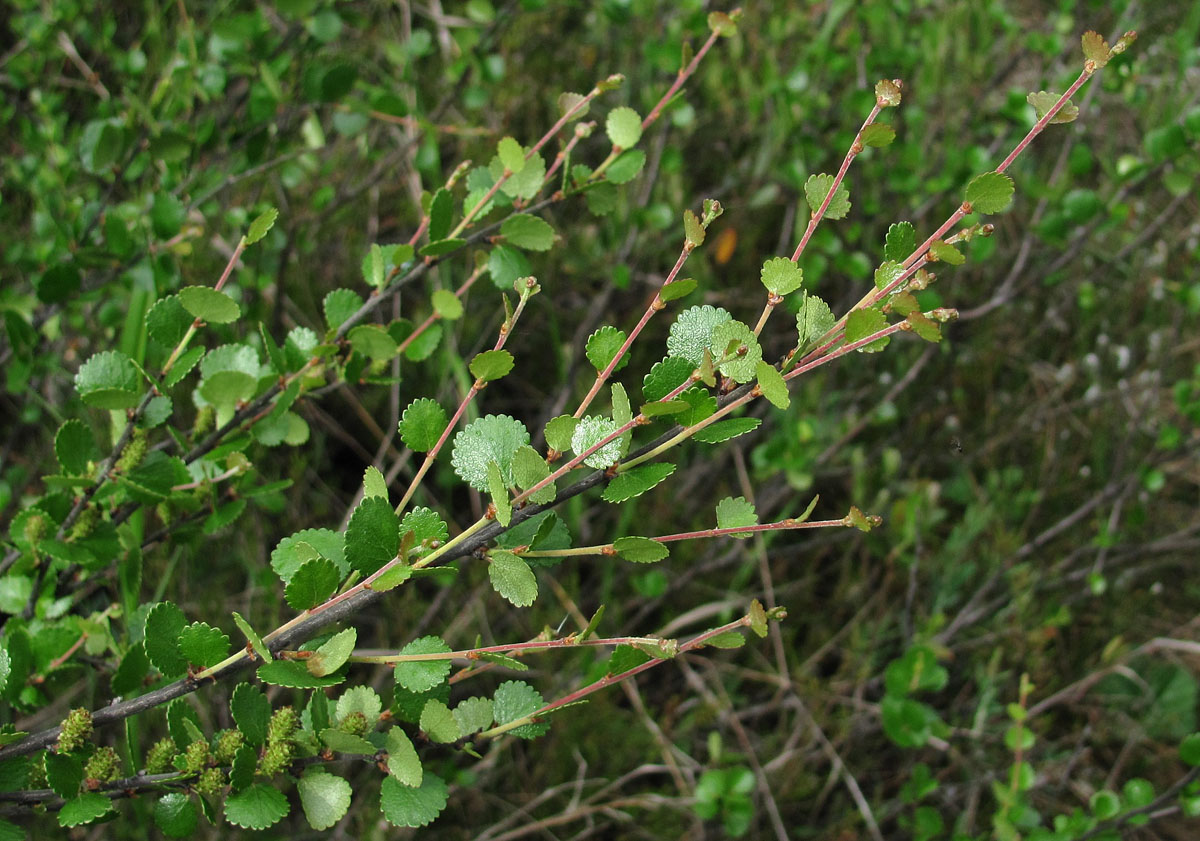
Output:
x=165 y=440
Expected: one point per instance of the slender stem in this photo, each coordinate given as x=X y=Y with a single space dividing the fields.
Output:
x=476 y=387
x=507 y=648
x=609 y=680
x=533 y=150
x=607 y=548
x=434 y=316
x=1045 y=120
x=851 y=153
x=655 y=305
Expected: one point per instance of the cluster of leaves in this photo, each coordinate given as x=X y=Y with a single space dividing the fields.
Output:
x=191 y=427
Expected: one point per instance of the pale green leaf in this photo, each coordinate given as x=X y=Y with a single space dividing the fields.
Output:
x=209 y=305
x=529 y=232
x=736 y=351
x=515 y=700
x=602 y=347
x=772 y=385
x=491 y=365
x=438 y=722
x=324 y=797
x=402 y=761
x=640 y=550
x=624 y=127
x=408 y=806
x=733 y=512
x=781 y=276
x=691 y=334
x=817 y=187
x=590 y=431
x=512 y=578
x=261 y=225
x=490 y=438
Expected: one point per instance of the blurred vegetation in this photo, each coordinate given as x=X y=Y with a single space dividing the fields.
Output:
x=1037 y=470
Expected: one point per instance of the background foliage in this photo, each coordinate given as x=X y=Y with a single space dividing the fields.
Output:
x=1036 y=470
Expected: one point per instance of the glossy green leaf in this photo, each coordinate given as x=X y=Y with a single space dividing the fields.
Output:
x=294 y=674
x=423 y=675
x=491 y=365
x=64 y=774
x=603 y=346
x=693 y=231
x=305 y=545
x=258 y=807
x=256 y=643
x=442 y=247
x=990 y=192
x=736 y=351
x=900 y=242
x=209 y=305
x=164 y=624
x=814 y=320
x=1043 y=101
x=473 y=715
x=251 y=712
x=512 y=578
x=374 y=484
x=74 y=447
x=817 y=187
x=441 y=212
x=167 y=321
x=84 y=809
x=372 y=341
x=176 y=815
x=447 y=305
x=511 y=154
x=877 y=134
x=506 y=265
x=313 y=583
x=677 y=289
x=529 y=468
x=640 y=550
x=591 y=430
x=372 y=536
x=944 y=252
x=514 y=700
x=924 y=327
x=422 y=424
x=723 y=430
x=202 y=645
x=887 y=272
x=426 y=525
x=499 y=493
x=339 y=305
x=108 y=380
x=665 y=376
x=637 y=481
